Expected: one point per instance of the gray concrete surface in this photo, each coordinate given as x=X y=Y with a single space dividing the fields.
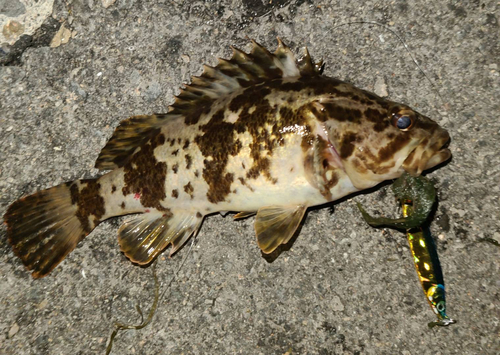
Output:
x=343 y=287
x=22 y=17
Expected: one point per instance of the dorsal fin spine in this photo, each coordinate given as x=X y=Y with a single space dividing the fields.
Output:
x=242 y=70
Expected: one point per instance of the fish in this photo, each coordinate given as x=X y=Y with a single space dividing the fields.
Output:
x=260 y=133
x=417 y=196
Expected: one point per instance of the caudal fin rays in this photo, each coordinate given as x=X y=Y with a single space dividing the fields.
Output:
x=45 y=227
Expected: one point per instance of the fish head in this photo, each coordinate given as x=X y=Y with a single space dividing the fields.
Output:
x=377 y=139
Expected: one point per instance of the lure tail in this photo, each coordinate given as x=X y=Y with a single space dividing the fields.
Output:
x=45 y=227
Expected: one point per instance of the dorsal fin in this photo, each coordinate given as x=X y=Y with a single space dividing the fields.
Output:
x=130 y=134
x=242 y=70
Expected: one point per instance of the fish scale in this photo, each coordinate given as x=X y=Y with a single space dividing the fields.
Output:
x=259 y=133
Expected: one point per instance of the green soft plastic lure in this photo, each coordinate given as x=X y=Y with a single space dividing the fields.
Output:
x=417 y=196
x=421 y=194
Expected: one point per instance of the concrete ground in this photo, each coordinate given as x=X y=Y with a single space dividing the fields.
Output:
x=342 y=287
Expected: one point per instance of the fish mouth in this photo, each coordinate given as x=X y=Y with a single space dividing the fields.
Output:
x=428 y=154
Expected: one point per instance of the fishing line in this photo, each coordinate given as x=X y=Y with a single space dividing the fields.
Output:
x=180 y=266
x=402 y=41
x=121 y=326
x=398 y=37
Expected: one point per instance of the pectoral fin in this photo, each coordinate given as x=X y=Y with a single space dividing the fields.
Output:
x=275 y=225
x=142 y=238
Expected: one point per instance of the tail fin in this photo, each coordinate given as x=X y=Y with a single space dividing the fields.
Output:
x=45 y=227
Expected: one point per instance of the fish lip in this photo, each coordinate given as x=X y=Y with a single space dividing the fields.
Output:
x=426 y=157
x=441 y=156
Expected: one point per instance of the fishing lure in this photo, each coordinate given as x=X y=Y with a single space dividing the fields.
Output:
x=428 y=268
x=417 y=196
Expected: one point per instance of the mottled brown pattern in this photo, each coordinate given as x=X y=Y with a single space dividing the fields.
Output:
x=217 y=143
x=387 y=152
x=256 y=115
x=158 y=140
x=320 y=85
x=347 y=144
x=219 y=184
x=244 y=183
x=370 y=162
x=130 y=134
x=342 y=114
x=188 y=188
x=261 y=166
x=145 y=176
x=244 y=101
x=381 y=120
x=189 y=161
x=193 y=116
x=307 y=142
x=262 y=114
x=356 y=162
x=89 y=202
x=33 y=230
x=315 y=84
x=358 y=123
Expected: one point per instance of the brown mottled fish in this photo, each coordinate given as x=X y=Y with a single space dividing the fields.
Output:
x=259 y=133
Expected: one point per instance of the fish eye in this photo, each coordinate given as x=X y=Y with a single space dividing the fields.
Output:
x=402 y=121
x=440 y=306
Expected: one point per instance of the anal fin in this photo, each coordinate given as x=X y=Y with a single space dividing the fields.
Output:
x=275 y=225
x=145 y=236
x=242 y=215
